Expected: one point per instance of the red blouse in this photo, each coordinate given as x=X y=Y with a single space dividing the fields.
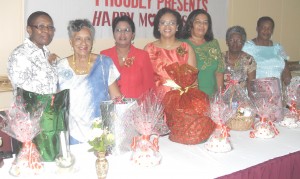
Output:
x=137 y=78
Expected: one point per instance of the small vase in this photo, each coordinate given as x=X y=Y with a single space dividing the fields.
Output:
x=101 y=165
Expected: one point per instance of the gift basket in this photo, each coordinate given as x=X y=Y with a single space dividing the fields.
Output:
x=240 y=105
x=292 y=112
x=24 y=126
x=52 y=122
x=265 y=127
x=219 y=140
x=269 y=91
x=147 y=117
x=113 y=117
x=187 y=108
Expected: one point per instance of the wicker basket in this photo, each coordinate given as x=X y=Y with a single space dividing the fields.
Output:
x=240 y=123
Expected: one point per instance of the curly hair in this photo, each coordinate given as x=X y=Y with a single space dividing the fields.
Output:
x=78 y=24
x=236 y=29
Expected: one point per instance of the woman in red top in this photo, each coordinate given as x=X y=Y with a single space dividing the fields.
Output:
x=133 y=64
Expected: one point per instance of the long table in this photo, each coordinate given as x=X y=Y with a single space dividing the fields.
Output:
x=249 y=155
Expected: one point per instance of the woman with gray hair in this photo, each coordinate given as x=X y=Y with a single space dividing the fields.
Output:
x=91 y=79
x=240 y=67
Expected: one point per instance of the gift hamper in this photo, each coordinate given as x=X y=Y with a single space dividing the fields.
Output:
x=219 y=140
x=292 y=112
x=241 y=106
x=268 y=90
x=24 y=126
x=187 y=108
x=147 y=118
x=53 y=121
x=264 y=128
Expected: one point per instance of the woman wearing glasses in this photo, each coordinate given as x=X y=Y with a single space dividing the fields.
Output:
x=167 y=49
x=28 y=66
x=240 y=66
x=91 y=79
x=133 y=63
x=198 y=33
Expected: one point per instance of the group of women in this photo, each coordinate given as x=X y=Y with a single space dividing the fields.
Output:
x=126 y=70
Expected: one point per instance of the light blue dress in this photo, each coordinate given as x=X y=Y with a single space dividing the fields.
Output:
x=269 y=59
x=86 y=93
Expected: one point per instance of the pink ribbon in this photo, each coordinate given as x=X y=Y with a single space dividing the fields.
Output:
x=224 y=130
x=231 y=83
x=293 y=109
x=143 y=142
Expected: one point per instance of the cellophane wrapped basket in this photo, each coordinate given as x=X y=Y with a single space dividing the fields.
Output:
x=264 y=128
x=24 y=126
x=219 y=140
x=186 y=107
x=241 y=106
x=147 y=118
x=292 y=112
x=267 y=91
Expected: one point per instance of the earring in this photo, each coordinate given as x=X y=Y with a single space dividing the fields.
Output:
x=132 y=41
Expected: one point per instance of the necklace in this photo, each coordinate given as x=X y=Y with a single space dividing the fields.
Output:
x=81 y=72
x=234 y=61
x=122 y=57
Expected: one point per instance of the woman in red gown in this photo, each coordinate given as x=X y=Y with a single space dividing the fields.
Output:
x=167 y=49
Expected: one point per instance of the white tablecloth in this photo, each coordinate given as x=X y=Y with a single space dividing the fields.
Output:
x=182 y=161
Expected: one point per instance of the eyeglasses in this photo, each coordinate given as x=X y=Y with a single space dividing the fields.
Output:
x=198 y=22
x=238 y=42
x=44 y=27
x=168 y=23
x=126 y=31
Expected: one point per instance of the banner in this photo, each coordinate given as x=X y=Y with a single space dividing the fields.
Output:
x=102 y=12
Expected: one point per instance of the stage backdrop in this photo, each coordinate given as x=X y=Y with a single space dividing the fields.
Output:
x=102 y=12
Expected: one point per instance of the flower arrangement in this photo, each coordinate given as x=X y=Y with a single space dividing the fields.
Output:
x=100 y=138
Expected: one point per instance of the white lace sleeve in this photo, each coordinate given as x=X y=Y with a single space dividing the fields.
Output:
x=113 y=74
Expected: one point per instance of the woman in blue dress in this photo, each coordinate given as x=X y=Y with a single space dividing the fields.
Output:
x=91 y=79
x=269 y=56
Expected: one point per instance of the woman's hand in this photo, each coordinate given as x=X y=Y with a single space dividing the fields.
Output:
x=52 y=59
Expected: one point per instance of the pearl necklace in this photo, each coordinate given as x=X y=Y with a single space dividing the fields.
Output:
x=81 y=72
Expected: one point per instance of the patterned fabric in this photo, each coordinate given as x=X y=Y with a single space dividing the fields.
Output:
x=137 y=78
x=29 y=69
x=269 y=59
x=209 y=61
x=160 y=58
x=240 y=70
x=86 y=93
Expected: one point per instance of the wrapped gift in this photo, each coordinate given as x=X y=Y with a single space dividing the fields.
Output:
x=53 y=121
x=220 y=112
x=292 y=112
x=267 y=91
x=265 y=127
x=147 y=116
x=24 y=126
x=186 y=107
x=113 y=117
x=241 y=106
